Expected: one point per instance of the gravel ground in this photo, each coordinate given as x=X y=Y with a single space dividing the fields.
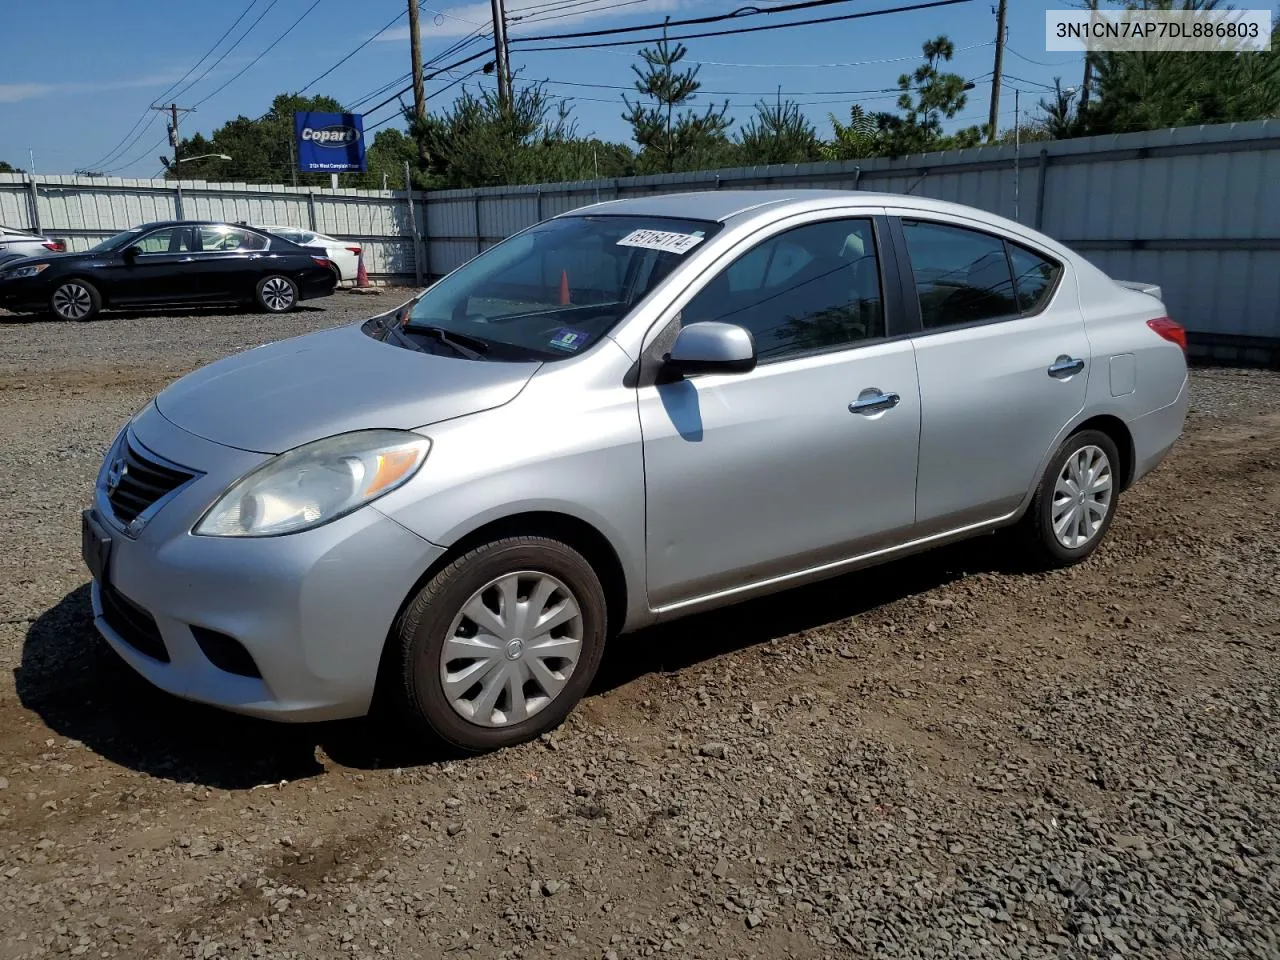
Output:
x=942 y=757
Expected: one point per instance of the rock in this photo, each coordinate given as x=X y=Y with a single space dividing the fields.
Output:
x=551 y=887
x=715 y=750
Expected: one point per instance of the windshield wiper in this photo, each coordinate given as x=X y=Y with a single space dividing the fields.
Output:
x=472 y=348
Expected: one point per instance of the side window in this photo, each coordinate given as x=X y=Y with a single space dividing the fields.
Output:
x=961 y=275
x=167 y=240
x=1034 y=278
x=815 y=287
x=219 y=237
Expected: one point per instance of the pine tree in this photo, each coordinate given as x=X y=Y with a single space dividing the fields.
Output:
x=671 y=138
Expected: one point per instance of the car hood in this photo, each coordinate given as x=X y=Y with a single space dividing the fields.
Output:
x=276 y=397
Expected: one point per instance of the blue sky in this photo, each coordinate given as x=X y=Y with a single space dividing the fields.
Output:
x=73 y=85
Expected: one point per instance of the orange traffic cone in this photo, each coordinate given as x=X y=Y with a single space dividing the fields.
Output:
x=362 y=278
x=564 y=287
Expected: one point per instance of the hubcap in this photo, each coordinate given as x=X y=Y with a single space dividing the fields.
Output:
x=511 y=649
x=1081 y=497
x=72 y=301
x=277 y=293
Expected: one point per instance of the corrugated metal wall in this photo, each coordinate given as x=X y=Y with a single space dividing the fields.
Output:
x=1196 y=209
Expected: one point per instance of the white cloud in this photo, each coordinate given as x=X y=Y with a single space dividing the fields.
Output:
x=16 y=92
x=460 y=20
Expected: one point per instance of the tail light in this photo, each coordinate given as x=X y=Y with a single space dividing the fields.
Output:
x=355 y=250
x=1171 y=331
x=324 y=262
x=57 y=246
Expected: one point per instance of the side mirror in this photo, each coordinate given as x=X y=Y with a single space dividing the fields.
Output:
x=712 y=347
x=131 y=252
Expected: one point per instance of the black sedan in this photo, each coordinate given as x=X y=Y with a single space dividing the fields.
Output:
x=162 y=264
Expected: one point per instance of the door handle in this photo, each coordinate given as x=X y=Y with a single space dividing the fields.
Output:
x=1065 y=366
x=873 y=400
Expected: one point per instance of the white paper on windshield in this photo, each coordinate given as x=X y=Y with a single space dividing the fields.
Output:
x=660 y=240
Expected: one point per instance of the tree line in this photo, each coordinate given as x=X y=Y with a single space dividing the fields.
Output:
x=481 y=141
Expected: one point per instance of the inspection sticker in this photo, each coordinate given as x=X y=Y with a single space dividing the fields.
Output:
x=661 y=240
x=566 y=339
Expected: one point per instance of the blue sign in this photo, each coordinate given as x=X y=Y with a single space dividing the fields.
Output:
x=330 y=142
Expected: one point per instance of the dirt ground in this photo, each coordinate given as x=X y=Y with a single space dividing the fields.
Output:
x=943 y=757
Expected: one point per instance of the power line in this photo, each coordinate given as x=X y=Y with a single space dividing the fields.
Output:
x=737 y=14
x=1038 y=63
x=223 y=56
x=245 y=69
x=227 y=52
x=389 y=24
x=725 y=33
x=544 y=16
x=120 y=147
x=215 y=46
x=720 y=33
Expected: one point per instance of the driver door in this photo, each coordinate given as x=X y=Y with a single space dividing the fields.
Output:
x=806 y=460
x=159 y=273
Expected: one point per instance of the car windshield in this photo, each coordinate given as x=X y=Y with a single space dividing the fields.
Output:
x=555 y=289
x=119 y=240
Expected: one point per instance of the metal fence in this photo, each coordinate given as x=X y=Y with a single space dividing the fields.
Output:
x=1195 y=209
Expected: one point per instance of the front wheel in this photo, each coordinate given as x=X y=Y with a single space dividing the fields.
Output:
x=1073 y=507
x=277 y=294
x=76 y=300
x=500 y=645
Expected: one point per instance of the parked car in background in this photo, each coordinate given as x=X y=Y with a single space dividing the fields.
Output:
x=629 y=413
x=27 y=244
x=169 y=263
x=344 y=254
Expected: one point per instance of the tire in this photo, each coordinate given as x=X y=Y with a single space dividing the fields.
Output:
x=1053 y=533
x=75 y=300
x=276 y=293
x=485 y=714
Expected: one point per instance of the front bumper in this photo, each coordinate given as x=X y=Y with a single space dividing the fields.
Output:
x=28 y=293
x=312 y=610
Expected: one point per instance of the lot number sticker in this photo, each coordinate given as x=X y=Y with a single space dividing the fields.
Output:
x=660 y=240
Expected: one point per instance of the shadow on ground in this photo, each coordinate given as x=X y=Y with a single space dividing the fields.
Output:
x=82 y=690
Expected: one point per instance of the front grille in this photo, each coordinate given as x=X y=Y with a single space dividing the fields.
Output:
x=144 y=481
x=134 y=625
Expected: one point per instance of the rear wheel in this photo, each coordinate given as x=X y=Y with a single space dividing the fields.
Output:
x=498 y=647
x=277 y=294
x=1074 y=505
x=75 y=300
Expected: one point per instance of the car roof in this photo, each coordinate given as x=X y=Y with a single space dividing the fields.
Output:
x=157 y=224
x=725 y=205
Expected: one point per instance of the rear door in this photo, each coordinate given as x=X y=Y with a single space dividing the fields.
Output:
x=1003 y=361
x=229 y=262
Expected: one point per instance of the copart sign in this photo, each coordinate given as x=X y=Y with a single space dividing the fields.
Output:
x=329 y=142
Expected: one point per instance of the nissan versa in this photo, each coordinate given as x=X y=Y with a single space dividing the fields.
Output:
x=624 y=414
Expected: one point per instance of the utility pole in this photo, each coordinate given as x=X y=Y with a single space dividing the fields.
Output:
x=997 y=73
x=415 y=51
x=500 y=51
x=174 y=139
x=1087 y=82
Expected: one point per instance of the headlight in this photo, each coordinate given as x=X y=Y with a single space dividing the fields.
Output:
x=17 y=273
x=315 y=483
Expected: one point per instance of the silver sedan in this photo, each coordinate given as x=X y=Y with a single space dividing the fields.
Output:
x=628 y=413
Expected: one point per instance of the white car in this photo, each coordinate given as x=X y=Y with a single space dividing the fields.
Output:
x=344 y=254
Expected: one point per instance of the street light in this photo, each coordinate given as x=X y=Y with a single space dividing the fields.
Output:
x=204 y=156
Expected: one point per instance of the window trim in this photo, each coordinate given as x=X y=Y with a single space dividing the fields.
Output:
x=885 y=263
x=897 y=227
